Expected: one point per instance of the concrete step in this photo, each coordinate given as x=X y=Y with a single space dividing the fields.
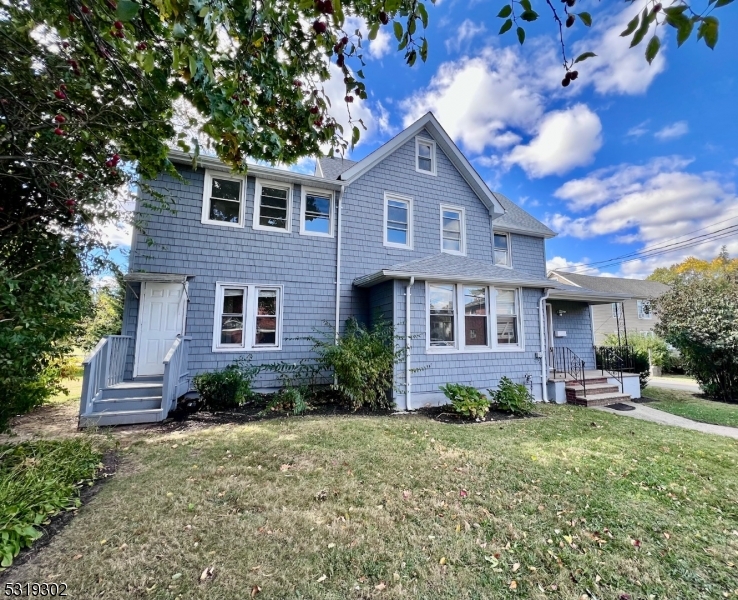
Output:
x=132 y=389
x=136 y=403
x=593 y=388
x=123 y=417
x=598 y=399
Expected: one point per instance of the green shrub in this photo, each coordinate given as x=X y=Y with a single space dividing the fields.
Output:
x=37 y=481
x=363 y=362
x=228 y=388
x=512 y=398
x=466 y=400
x=290 y=399
x=639 y=345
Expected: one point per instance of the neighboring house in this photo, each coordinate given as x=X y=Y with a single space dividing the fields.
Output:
x=249 y=265
x=631 y=315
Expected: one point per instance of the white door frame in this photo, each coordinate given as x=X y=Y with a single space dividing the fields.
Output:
x=183 y=312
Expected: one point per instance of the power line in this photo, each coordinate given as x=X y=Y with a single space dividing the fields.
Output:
x=644 y=252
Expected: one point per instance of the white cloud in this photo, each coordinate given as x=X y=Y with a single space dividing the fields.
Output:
x=464 y=34
x=639 y=130
x=377 y=48
x=673 y=131
x=565 y=139
x=478 y=100
x=381 y=45
x=559 y=263
x=605 y=185
x=655 y=204
x=617 y=68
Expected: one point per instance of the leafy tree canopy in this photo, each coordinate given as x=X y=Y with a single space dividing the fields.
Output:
x=695 y=268
x=699 y=317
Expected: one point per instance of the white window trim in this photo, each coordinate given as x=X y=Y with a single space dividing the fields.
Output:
x=303 y=206
x=249 y=326
x=392 y=196
x=257 y=205
x=460 y=346
x=432 y=144
x=462 y=211
x=642 y=315
x=207 y=190
x=509 y=249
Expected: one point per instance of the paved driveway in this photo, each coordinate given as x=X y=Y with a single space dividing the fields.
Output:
x=675 y=383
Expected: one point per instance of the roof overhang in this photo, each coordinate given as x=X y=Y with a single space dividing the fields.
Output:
x=442 y=139
x=528 y=232
x=388 y=274
x=215 y=164
x=589 y=297
x=157 y=277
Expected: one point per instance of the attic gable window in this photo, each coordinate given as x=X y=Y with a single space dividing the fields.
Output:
x=222 y=202
x=425 y=156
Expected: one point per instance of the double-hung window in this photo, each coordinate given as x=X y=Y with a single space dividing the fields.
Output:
x=398 y=221
x=273 y=206
x=644 y=309
x=222 y=202
x=442 y=315
x=452 y=230
x=425 y=156
x=502 y=249
x=476 y=324
x=507 y=318
x=247 y=317
x=317 y=213
x=615 y=310
x=487 y=320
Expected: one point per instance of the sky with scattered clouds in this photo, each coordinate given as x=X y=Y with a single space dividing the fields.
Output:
x=629 y=157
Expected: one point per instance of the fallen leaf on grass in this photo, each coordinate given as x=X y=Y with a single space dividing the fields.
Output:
x=207 y=573
x=285 y=467
x=103 y=542
x=406 y=494
x=77 y=556
x=255 y=590
x=176 y=575
x=515 y=567
x=463 y=493
x=380 y=586
x=442 y=561
x=513 y=585
x=321 y=579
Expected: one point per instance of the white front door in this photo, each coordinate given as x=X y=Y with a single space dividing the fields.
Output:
x=160 y=321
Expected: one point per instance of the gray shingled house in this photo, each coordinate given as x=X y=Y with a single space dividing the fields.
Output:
x=247 y=265
x=632 y=315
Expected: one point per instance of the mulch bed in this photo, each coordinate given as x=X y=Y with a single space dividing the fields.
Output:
x=60 y=521
x=444 y=414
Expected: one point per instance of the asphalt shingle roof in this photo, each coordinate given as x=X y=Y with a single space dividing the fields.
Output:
x=516 y=219
x=636 y=288
x=332 y=167
x=454 y=268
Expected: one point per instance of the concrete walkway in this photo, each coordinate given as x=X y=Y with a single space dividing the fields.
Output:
x=654 y=415
x=675 y=383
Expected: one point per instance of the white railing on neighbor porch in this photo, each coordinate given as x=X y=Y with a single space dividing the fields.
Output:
x=103 y=367
x=175 y=381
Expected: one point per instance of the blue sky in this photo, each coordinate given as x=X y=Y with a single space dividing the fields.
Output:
x=626 y=157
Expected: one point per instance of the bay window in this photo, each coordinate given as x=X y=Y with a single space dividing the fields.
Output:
x=478 y=331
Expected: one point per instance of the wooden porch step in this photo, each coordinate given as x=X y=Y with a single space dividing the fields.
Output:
x=123 y=417
x=135 y=403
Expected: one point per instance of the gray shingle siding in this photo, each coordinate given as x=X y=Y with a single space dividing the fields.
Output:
x=578 y=326
x=306 y=267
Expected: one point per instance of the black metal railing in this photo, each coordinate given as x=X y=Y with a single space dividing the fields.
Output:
x=615 y=360
x=563 y=360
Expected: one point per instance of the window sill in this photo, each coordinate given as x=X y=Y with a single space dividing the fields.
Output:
x=484 y=350
x=424 y=172
x=271 y=229
x=221 y=223
x=397 y=246
x=313 y=234
x=452 y=252
x=244 y=350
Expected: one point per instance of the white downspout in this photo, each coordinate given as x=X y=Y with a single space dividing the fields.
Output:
x=544 y=353
x=338 y=265
x=408 y=382
x=338 y=274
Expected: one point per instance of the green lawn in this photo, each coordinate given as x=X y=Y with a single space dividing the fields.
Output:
x=73 y=389
x=577 y=503
x=692 y=406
